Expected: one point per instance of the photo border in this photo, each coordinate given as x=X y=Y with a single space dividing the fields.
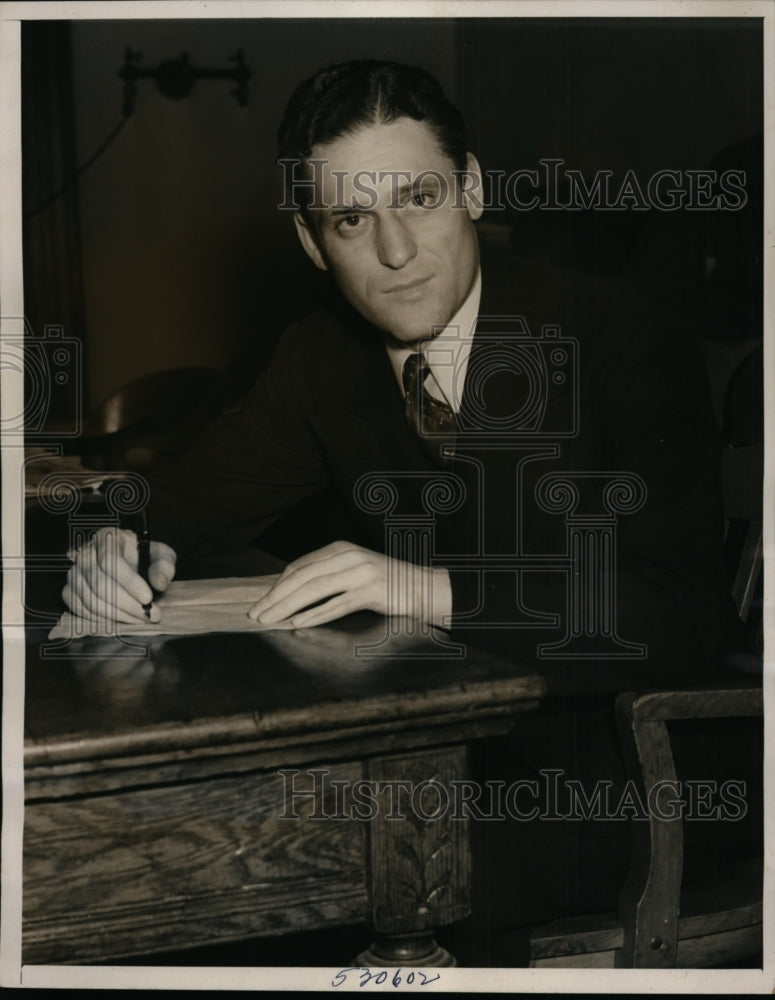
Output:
x=12 y=973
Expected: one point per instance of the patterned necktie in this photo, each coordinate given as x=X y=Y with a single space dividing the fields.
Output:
x=431 y=419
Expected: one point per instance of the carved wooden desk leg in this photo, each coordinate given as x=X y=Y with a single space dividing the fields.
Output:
x=419 y=856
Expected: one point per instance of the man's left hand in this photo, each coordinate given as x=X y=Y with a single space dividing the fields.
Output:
x=347 y=578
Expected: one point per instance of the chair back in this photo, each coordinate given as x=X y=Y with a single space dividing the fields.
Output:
x=742 y=475
x=156 y=414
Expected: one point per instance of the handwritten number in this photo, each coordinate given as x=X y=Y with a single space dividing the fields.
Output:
x=380 y=977
x=341 y=976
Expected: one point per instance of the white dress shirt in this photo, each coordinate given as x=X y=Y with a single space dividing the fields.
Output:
x=447 y=353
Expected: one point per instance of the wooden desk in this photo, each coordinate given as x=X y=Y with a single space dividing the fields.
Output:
x=154 y=795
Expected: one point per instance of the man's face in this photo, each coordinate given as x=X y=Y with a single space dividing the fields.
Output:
x=395 y=231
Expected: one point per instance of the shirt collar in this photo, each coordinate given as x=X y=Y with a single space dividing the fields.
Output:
x=447 y=353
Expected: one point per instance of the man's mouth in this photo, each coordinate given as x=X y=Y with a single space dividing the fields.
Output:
x=408 y=287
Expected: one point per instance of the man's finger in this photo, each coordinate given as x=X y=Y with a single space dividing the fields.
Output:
x=160 y=573
x=310 y=592
x=337 y=607
x=73 y=600
x=108 y=599
x=296 y=576
x=306 y=586
x=320 y=556
x=85 y=603
x=163 y=565
x=111 y=549
x=80 y=589
x=116 y=592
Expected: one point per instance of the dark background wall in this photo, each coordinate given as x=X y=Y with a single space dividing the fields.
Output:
x=183 y=256
x=614 y=93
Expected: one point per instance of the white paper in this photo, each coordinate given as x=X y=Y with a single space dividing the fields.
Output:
x=188 y=607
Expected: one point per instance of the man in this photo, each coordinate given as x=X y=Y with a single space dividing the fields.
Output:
x=406 y=261
x=376 y=159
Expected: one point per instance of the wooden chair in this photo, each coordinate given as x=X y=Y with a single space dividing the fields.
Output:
x=662 y=923
x=153 y=416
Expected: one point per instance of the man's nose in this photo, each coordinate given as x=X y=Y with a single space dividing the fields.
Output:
x=395 y=245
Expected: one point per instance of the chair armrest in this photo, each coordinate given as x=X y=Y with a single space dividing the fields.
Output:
x=669 y=705
x=649 y=902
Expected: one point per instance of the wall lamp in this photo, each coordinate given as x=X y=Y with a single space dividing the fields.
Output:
x=175 y=78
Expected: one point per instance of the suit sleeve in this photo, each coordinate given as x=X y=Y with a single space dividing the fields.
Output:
x=657 y=421
x=247 y=468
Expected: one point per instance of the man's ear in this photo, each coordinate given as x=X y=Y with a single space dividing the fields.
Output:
x=308 y=241
x=473 y=192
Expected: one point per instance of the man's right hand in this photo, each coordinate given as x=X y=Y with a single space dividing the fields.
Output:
x=104 y=583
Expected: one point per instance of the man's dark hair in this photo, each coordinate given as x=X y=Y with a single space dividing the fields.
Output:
x=338 y=100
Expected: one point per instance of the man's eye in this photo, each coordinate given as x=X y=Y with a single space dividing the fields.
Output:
x=349 y=221
x=422 y=198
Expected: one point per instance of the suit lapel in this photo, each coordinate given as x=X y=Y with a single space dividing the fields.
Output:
x=376 y=403
x=507 y=370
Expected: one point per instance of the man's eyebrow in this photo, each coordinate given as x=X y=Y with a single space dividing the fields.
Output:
x=349 y=209
x=414 y=185
x=356 y=209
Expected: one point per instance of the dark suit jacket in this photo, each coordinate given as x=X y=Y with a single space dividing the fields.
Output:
x=328 y=410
